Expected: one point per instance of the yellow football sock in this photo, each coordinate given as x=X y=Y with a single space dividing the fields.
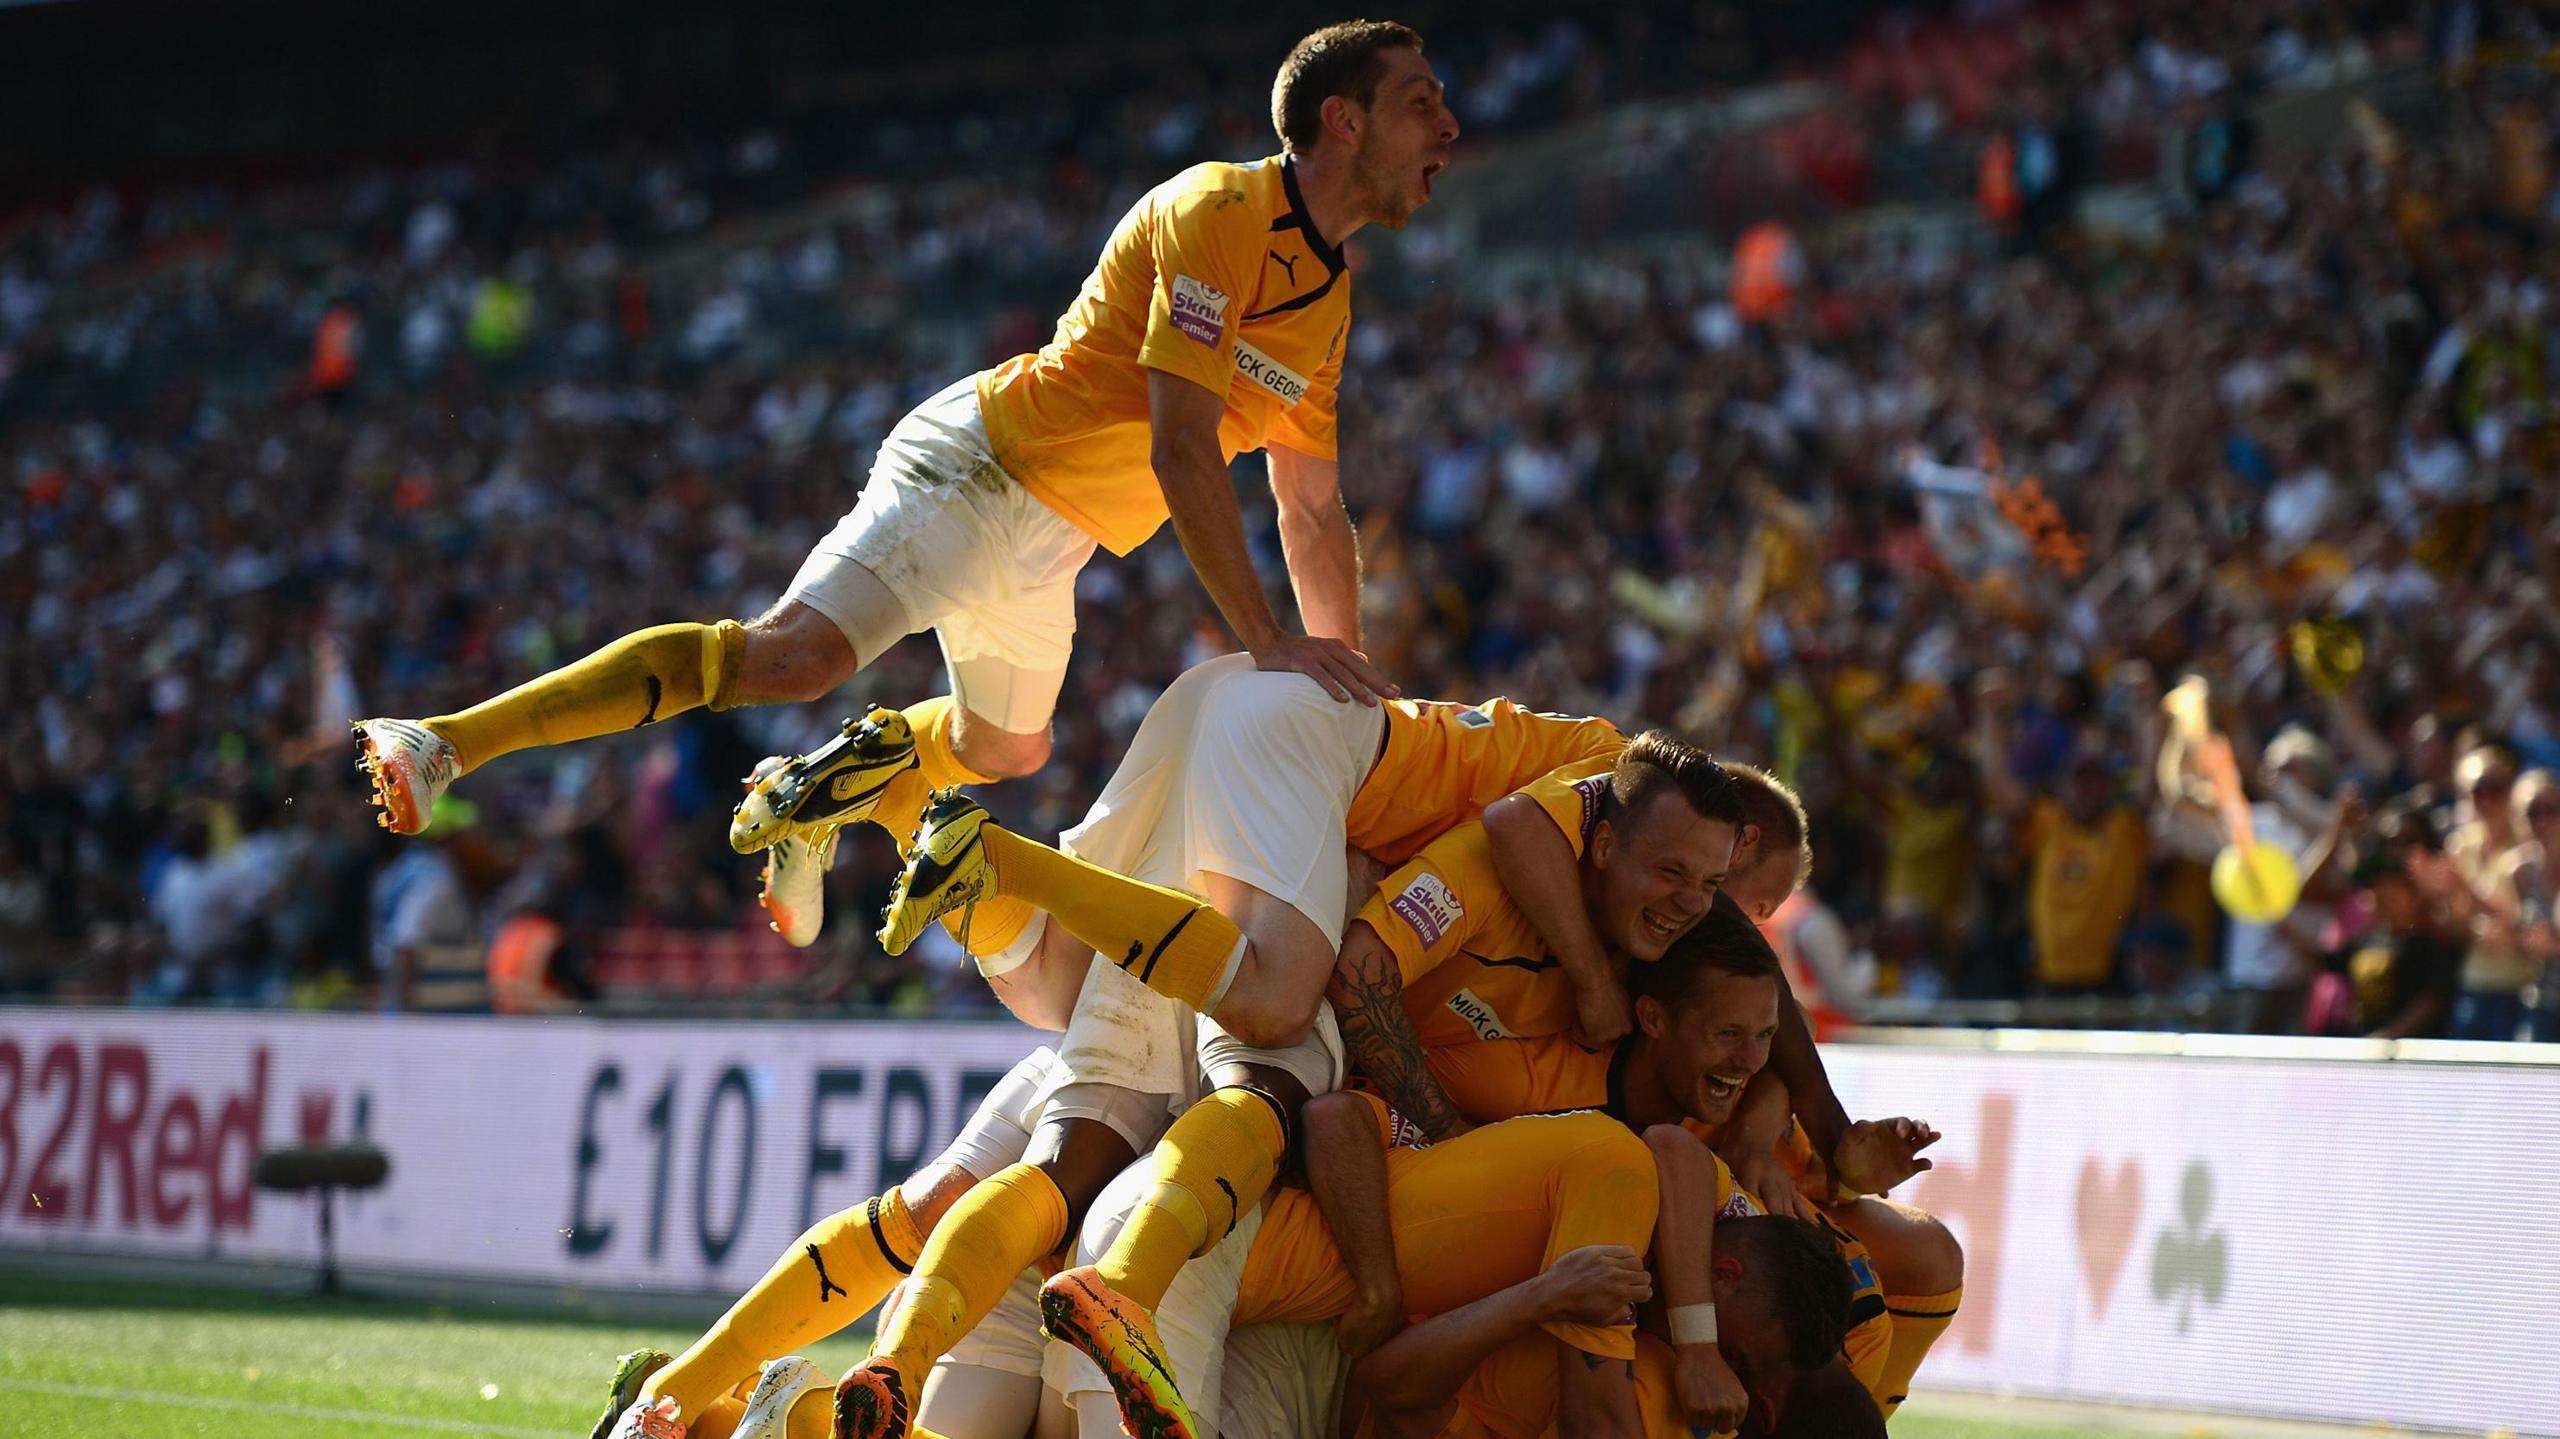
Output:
x=936 y=760
x=638 y=679
x=1169 y=941
x=1213 y=1166
x=997 y=920
x=828 y=1278
x=998 y=1229
x=1917 y=1323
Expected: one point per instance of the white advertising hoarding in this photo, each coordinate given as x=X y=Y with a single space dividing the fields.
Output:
x=645 y=1155
x=2340 y=1239
x=2332 y=1239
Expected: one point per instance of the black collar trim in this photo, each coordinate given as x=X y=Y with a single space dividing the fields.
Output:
x=1304 y=223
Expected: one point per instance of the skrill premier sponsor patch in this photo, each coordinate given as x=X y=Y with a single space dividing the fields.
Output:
x=1198 y=311
x=1590 y=791
x=1429 y=907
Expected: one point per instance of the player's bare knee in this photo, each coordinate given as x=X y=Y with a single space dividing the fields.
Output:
x=1917 y=1252
x=1269 y=1021
x=794 y=655
x=1937 y=1257
x=931 y=1191
x=998 y=753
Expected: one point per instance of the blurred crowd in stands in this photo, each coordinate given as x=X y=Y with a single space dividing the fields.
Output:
x=1928 y=524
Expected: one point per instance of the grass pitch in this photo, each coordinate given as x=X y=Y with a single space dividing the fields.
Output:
x=106 y=1359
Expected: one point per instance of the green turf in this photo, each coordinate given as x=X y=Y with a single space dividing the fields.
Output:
x=105 y=1359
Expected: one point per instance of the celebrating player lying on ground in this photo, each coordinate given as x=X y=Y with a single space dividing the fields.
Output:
x=1213 y=324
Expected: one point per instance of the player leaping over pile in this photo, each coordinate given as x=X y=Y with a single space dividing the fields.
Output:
x=1214 y=323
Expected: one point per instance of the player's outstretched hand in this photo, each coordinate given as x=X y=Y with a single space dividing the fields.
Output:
x=1758 y=1171
x=1345 y=673
x=1710 y=1392
x=1877 y=1154
x=1601 y=1015
x=1597 y=1284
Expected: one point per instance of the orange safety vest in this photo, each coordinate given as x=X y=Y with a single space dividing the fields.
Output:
x=1995 y=182
x=1762 y=288
x=520 y=960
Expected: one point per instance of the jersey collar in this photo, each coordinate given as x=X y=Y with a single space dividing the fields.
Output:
x=1298 y=219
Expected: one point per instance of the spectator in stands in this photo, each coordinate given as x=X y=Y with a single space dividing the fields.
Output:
x=426 y=947
x=2490 y=849
x=2402 y=974
x=2537 y=798
x=2320 y=400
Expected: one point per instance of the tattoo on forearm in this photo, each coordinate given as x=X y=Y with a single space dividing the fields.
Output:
x=1369 y=1001
x=1601 y=1361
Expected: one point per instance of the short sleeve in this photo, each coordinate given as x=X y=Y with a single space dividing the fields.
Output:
x=1429 y=909
x=1206 y=245
x=1571 y=795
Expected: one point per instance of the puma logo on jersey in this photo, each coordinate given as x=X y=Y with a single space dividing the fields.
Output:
x=1479 y=1016
x=1288 y=263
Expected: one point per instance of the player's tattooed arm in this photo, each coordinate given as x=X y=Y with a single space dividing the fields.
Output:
x=1347 y=1168
x=1596 y=1398
x=1368 y=998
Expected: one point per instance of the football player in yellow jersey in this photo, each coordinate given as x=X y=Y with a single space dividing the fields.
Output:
x=1536 y=835
x=1708 y=1017
x=1909 y=1267
x=1441 y=955
x=1449 y=1225
x=1214 y=323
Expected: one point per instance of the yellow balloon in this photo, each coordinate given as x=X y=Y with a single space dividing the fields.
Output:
x=2257 y=884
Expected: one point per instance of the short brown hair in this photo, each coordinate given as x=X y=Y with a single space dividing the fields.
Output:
x=1723 y=941
x=1768 y=803
x=1336 y=60
x=1659 y=763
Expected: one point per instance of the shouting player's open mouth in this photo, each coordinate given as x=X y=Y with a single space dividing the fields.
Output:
x=1720 y=1089
x=1434 y=168
x=1664 y=929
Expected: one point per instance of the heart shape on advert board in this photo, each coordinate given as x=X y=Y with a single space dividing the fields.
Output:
x=2110 y=1210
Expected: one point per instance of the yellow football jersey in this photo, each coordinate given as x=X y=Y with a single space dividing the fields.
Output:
x=1492 y=1208
x=1442 y=763
x=1492 y=1081
x=1513 y=1394
x=1216 y=275
x=1474 y=966
x=1571 y=796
